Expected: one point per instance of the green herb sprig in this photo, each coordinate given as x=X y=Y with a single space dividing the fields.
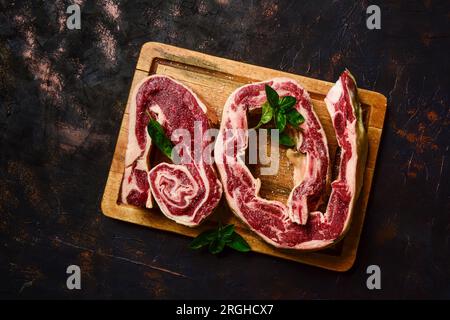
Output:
x=282 y=111
x=217 y=239
x=159 y=138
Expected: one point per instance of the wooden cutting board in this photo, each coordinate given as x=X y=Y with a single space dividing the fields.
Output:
x=213 y=79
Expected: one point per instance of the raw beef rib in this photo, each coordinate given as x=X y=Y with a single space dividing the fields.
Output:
x=188 y=192
x=276 y=223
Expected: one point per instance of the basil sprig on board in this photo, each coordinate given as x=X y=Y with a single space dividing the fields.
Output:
x=217 y=239
x=159 y=138
x=282 y=111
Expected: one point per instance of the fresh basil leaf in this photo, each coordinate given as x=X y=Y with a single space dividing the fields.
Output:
x=272 y=96
x=226 y=232
x=280 y=120
x=217 y=245
x=159 y=138
x=266 y=116
x=238 y=243
x=294 y=118
x=267 y=113
x=203 y=239
x=286 y=140
x=217 y=239
x=287 y=103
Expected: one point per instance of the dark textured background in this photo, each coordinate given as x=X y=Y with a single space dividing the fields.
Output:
x=62 y=96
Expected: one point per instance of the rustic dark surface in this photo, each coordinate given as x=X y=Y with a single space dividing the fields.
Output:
x=62 y=96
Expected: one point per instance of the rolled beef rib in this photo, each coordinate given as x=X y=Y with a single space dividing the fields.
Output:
x=188 y=192
x=296 y=225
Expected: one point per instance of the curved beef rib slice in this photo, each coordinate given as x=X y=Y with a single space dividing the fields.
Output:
x=272 y=220
x=186 y=193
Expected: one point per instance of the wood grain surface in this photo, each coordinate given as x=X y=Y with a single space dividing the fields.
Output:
x=213 y=79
